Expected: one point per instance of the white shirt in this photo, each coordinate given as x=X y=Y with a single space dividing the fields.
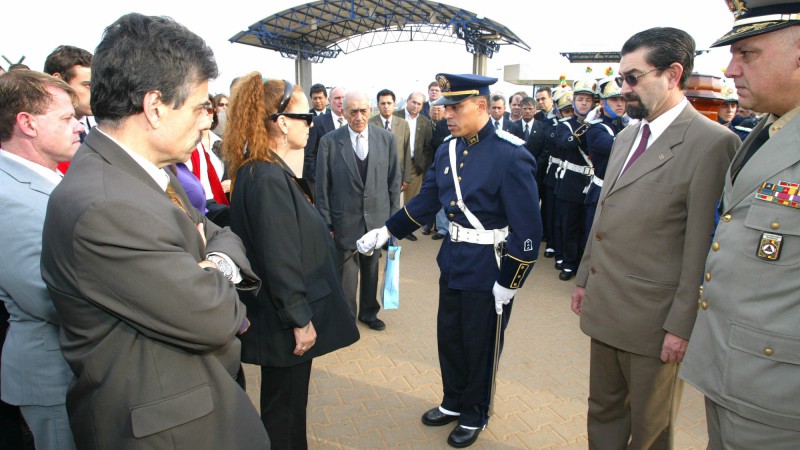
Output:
x=499 y=122
x=657 y=128
x=383 y=122
x=412 y=128
x=51 y=175
x=364 y=139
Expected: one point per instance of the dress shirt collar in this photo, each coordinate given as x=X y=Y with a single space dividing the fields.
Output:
x=336 y=120
x=159 y=175
x=662 y=122
x=364 y=135
x=50 y=175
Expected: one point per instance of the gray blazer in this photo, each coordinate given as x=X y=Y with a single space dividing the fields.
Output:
x=644 y=256
x=745 y=348
x=348 y=205
x=33 y=370
x=149 y=335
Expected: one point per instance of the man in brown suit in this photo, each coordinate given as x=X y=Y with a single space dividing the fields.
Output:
x=421 y=129
x=638 y=280
x=144 y=285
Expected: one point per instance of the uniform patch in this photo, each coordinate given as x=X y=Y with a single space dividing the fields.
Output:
x=528 y=246
x=783 y=193
x=446 y=170
x=506 y=136
x=769 y=247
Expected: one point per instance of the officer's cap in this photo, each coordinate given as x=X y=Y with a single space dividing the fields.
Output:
x=608 y=88
x=585 y=86
x=457 y=88
x=753 y=17
x=729 y=94
x=562 y=97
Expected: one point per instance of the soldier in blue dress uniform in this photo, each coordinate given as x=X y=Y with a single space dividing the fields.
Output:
x=575 y=176
x=562 y=108
x=492 y=244
x=599 y=139
x=727 y=113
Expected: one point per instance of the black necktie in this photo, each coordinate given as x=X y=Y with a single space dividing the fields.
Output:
x=496 y=124
x=527 y=131
x=386 y=125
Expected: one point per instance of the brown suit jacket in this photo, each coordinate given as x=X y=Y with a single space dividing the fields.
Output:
x=402 y=136
x=149 y=334
x=644 y=257
x=423 y=151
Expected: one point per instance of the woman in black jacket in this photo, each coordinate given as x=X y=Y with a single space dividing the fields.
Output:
x=300 y=311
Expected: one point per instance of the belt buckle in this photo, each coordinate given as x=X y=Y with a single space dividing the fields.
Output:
x=455 y=232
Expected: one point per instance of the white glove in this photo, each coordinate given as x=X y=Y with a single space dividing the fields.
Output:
x=502 y=296
x=372 y=240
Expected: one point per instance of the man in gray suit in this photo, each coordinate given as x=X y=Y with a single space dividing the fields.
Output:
x=38 y=130
x=144 y=285
x=357 y=189
x=638 y=279
x=745 y=349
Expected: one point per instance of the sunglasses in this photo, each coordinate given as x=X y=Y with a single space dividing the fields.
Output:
x=308 y=117
x=224 y=105
x=632 y=80
x=288 y=89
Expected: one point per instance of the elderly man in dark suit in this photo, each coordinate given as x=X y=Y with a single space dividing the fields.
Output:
x=332 y=119
x=357 y=189
x=637 y=282
x=144 y=285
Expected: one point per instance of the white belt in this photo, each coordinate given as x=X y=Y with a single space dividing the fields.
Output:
x=597 y=181
x=551 y=161
x=473 y=236
x=583 y=170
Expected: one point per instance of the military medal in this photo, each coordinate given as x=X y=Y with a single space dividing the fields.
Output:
x=783 y=193
x=769 y=247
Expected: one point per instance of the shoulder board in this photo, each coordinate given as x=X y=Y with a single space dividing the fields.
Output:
x=592 y=122
x=745 y=129
x=449 y=136
x=506 y=136
x=564 y=119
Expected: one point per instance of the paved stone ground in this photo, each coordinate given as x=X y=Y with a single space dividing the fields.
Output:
x=372 y=394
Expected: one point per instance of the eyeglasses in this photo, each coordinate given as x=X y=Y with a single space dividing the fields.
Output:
x=308 y=117
x=223 y=105
x=632 y=80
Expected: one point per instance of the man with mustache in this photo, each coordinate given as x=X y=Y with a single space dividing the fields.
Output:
x=637 y=283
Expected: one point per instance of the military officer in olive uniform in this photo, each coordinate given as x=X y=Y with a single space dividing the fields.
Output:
x=744 y=354
x=600 y=138
x=574 y=177
x=485 y=180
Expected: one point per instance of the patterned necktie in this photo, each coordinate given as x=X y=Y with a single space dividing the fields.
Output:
x=341 y=121
x=496 y=124
x=639 y=149
x=527 y=131
x=177 y=200
x=386 y=125
x=360 y=152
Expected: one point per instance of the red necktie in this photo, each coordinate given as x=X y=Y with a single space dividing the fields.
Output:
x=640 y=148
x=213 y=179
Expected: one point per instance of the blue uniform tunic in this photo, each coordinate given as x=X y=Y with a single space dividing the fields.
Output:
x=498 y=185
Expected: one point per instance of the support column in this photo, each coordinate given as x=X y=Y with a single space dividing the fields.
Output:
x=480 y=64
x=302 y=75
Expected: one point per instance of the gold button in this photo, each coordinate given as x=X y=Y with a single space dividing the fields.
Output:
x=715 y=246
x=708 y=276
x=704 y=305
x=459 y=179
x=461 y=165
x=774 y=225
x=726 y=218
x=451 y=215
x=768 y=351
x=453 y=203
x=466 y=153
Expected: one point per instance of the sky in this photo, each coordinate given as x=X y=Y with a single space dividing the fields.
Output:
x=548 y=27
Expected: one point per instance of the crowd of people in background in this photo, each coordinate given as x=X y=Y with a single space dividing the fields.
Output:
x=177 y=243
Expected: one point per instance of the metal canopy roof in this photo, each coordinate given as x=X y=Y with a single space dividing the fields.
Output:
x=324 y=29
x=602 y=57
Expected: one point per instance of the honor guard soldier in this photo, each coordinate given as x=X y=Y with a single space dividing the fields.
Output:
x=575 y=176
x=562 y=108
x=485 y=180
x=727 y=113
x=609 y=121
x=744 y=355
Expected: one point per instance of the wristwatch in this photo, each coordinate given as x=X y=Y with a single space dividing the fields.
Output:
x=222 y=265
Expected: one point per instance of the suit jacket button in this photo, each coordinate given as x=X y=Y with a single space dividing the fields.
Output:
x=768 y=351
x=453 y=203
x=451 y=215
x=708 y=276
x=704 y=305
x=726 y=218
x=715 y=246
x=774 y=225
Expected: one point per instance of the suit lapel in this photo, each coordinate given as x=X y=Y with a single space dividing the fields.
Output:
x=348 y=154
x=25 y=175
x=622 y=146
x=777 y=154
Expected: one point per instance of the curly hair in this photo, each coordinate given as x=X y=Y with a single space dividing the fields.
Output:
x=249 y=132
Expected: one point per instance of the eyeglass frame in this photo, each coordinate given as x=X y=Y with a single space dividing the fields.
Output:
x=632 y=80
x=308 y=117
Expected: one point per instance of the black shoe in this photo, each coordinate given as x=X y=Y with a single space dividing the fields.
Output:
x=437 y=237
x=434 y=417
x=549 y=253
x=375 y=324
x=462 y=437
x=559 y=264
x=566 y=274
x=426 y=232
x=411 y=237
